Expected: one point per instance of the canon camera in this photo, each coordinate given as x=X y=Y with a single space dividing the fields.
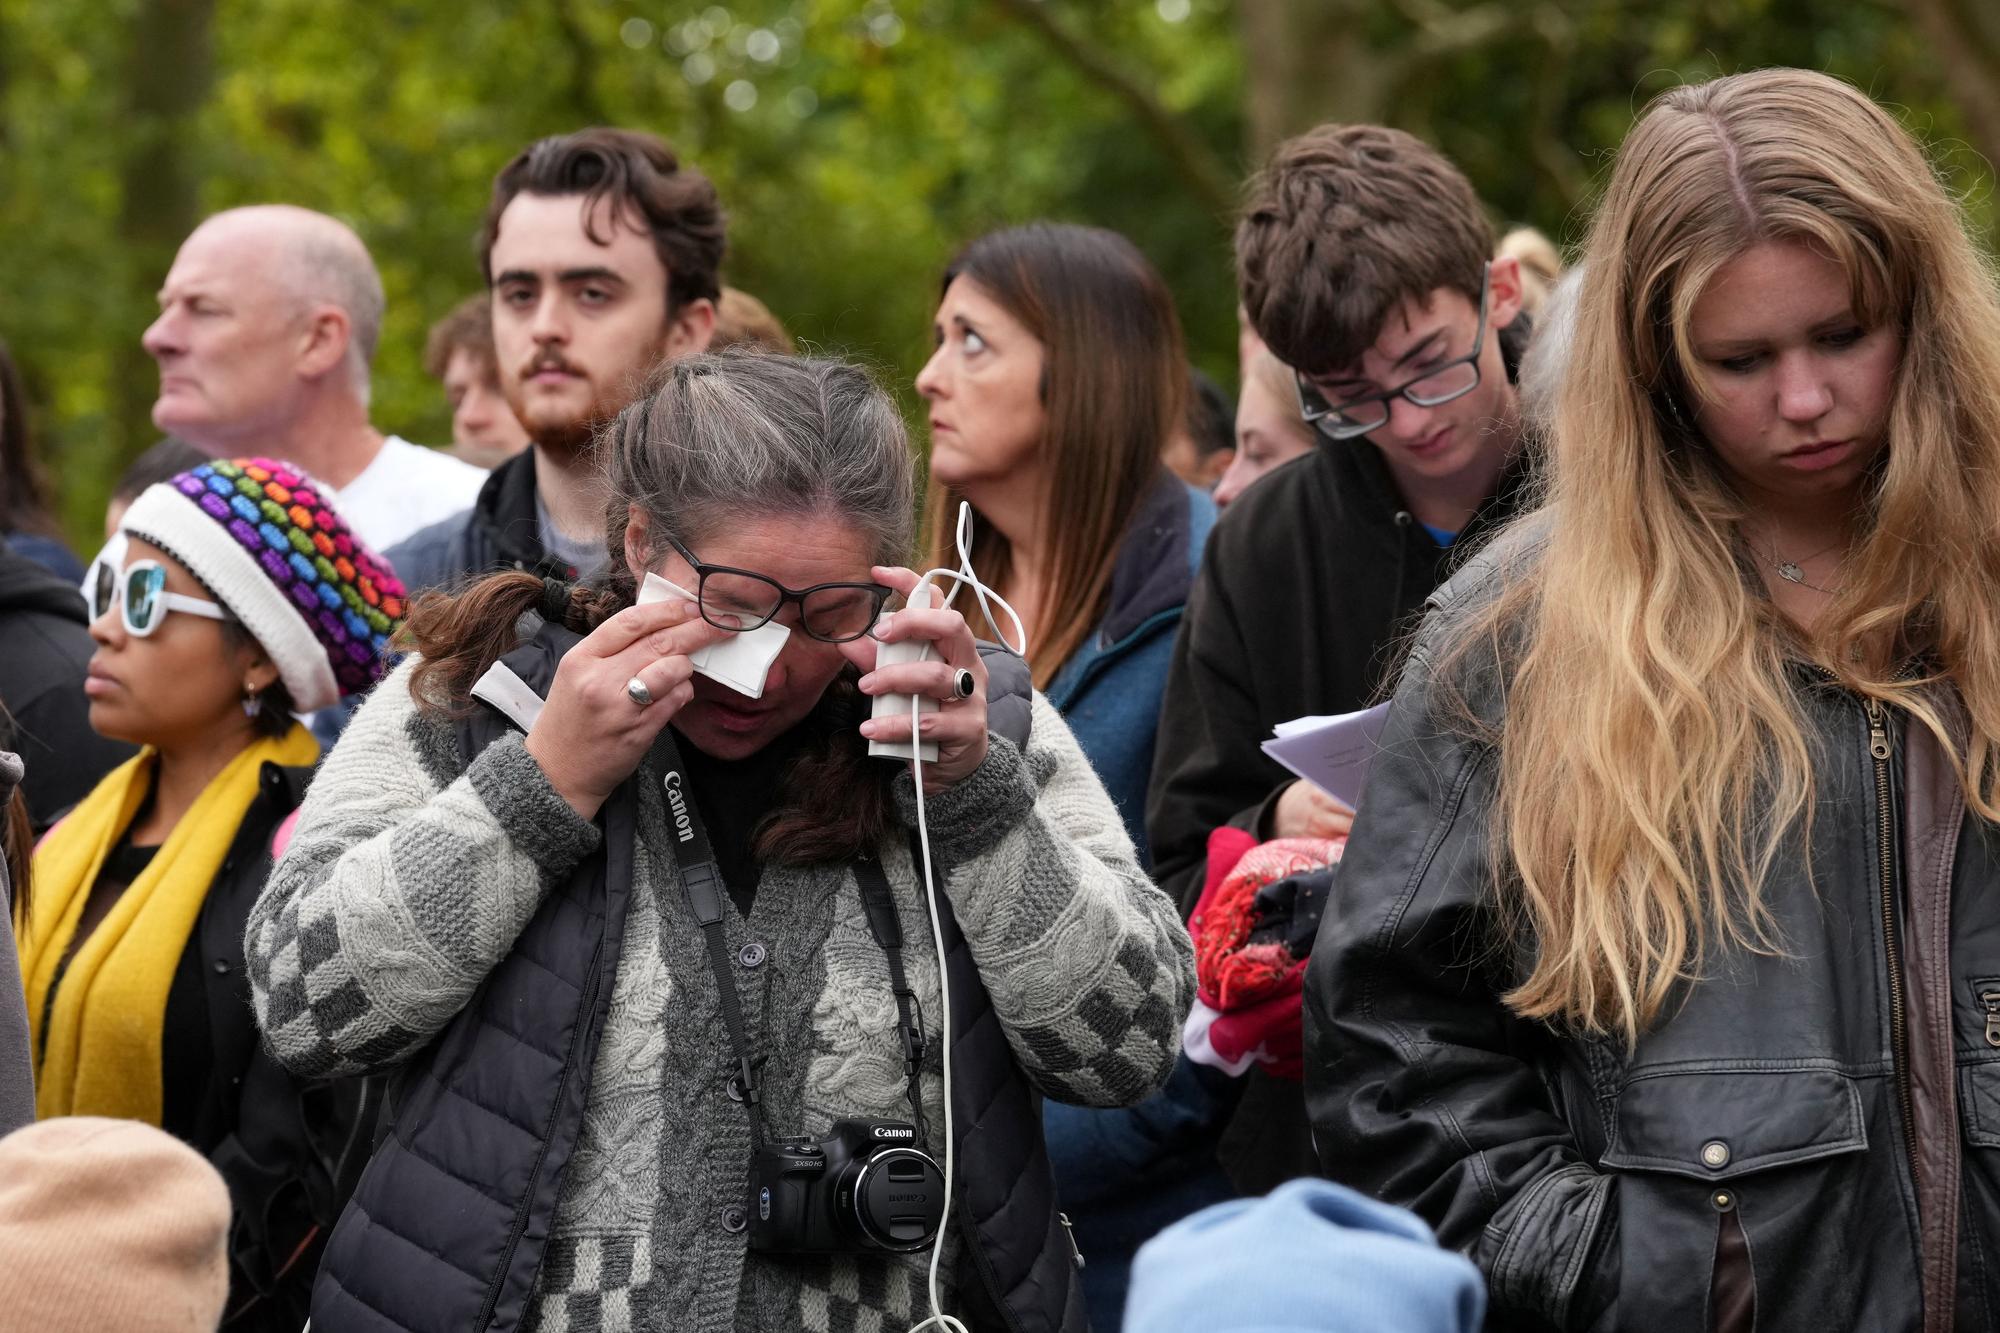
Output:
x=865 y=1187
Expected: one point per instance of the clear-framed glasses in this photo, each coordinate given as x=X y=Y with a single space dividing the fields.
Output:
x=1434 y=388
x=147 y=602
x=740 y=599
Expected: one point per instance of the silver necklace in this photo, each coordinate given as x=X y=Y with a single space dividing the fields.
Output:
x=1791 y=572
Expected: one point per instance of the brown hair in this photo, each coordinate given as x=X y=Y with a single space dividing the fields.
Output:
x=715 y=439
x=1114 y=382
x=469 y=327
x=630 y=171
x=163 y=460
x=1343 y=224
x=741 y=320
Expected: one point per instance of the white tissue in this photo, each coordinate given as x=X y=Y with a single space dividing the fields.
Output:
x=740 y=661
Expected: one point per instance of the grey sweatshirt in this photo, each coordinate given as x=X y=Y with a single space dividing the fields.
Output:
x=410 y=875
x=17 y=1071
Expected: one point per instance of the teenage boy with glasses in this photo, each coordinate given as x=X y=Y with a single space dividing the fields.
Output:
x=1365 y=261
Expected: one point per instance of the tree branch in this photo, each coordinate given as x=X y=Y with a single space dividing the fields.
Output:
x=1198 y=165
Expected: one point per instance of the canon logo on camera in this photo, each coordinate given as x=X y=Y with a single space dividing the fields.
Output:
x=682 y=829
x=884 y=1132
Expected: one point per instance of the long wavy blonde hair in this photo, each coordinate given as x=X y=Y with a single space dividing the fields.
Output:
x=1652 y=758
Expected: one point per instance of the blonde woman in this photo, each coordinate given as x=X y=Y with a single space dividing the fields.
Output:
x=1666 y=977
x=1270 y=429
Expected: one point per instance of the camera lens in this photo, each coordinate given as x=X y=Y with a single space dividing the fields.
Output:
x=897 y=1198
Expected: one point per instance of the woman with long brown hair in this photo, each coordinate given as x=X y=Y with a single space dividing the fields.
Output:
x=628 y=936
x=1664 y=979
x=1058 y=376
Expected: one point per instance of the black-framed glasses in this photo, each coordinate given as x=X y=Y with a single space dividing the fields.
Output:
x=741 y=599
x=1434 y=388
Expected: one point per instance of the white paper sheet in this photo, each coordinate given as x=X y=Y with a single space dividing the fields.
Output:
x=1334 y=752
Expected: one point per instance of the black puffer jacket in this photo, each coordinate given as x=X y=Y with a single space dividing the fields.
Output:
x=45 y=647
x=1808 y=1142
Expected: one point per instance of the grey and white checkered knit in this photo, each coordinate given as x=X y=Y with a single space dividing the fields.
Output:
x=410 y=875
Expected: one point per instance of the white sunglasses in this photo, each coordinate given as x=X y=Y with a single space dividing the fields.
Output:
x=147 y=602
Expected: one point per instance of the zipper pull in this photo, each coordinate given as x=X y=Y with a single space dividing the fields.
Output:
x=1991 y=999
x=1070 y=1231
x=1878 y=731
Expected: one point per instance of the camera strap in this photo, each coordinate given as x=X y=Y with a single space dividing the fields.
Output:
x=887 y=928
x=702 y=885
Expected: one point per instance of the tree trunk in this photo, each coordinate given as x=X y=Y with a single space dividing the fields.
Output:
x=1964 y=35
x=1306 y=63
x=169 y=69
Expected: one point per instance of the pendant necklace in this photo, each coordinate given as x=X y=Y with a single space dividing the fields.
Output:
x=1792 y=572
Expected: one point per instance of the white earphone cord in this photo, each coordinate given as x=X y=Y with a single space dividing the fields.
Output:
x=962 y=577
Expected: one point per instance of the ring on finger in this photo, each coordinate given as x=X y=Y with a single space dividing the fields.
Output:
x=962 y=684
x=636 y=691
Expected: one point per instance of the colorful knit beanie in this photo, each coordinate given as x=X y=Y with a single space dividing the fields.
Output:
x=264 y=538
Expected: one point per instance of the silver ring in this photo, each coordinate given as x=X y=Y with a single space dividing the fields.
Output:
x=963 y=684
x=636 y=691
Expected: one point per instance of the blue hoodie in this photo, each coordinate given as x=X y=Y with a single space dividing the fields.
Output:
x=1110 y=688
x=1123 y=1174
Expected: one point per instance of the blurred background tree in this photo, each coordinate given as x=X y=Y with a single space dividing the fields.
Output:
x=856 y=142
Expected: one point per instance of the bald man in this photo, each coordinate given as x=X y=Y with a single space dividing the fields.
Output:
x=267 y=330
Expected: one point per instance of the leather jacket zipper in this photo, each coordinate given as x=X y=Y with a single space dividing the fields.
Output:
x=1885 y=833
x=1991 y=999
x=1077 y=1250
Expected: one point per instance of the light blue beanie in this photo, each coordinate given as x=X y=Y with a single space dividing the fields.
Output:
x=1311 y=1255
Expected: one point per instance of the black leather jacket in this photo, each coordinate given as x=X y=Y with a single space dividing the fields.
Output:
x=1815 y=1137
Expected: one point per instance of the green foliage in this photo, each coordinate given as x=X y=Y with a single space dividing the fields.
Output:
x=856 y=142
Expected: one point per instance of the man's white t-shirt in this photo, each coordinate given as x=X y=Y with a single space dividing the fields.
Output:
x=406 y=488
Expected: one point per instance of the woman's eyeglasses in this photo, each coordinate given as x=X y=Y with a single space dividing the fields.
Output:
x=739 y=599
x=147 y=602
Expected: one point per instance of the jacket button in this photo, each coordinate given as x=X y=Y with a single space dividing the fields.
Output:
x=1723 y=1200
x=221 y=968
x=752 y=954
x=734 y=1219
x=1715 y=1154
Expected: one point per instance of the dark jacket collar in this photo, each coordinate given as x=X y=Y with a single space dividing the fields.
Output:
x=505 y=510
x=1156 y=559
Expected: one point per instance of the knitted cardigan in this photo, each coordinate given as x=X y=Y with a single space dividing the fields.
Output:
x=411 y=874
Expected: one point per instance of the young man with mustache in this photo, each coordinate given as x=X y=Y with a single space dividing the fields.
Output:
x=602 y=253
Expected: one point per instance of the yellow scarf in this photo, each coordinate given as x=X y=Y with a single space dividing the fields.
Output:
x=102 y=1054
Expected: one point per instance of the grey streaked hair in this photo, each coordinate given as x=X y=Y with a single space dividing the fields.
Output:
x=720 y=437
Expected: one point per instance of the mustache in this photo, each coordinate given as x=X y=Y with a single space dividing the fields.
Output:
x=549 y=361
